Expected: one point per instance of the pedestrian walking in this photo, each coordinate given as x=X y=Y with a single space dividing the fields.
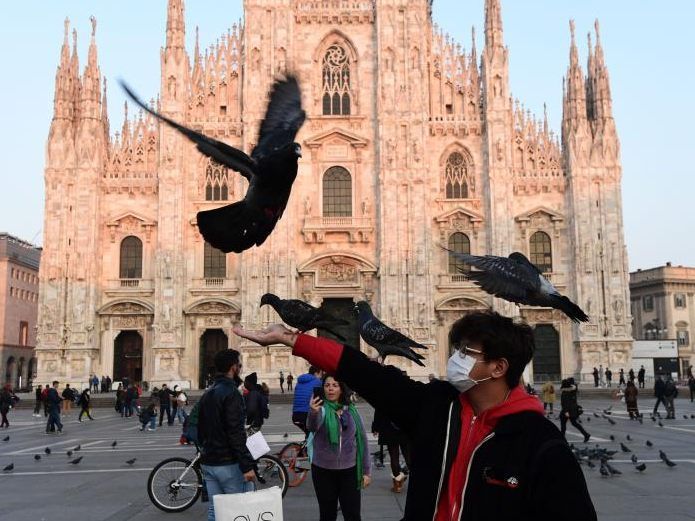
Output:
x=631 y=375
x=621 y=377
x=548 y=396
x=571 y=410
x=670 y=394
x=303 y=394
x=53 y=400
x=120 y=396
x=596 y=379
x=640 y=377
x=227 y=464
x=165 y=395
x=255 y=402
x=691 y=386
x=659 y=389
x=340 y=465
x=83 y=402
x=290 y=379
x=396 y=442
x=44 y=399
x=181 y=403
x=68 y=397
x=38 y=397
x=8 y=399
x=631 y=393
x=282 y=382
x=174 y=403
x=609 y=376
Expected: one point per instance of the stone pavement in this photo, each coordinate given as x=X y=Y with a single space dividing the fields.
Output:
x=104 y=487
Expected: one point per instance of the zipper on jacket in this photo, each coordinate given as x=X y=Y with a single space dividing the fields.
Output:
x=468 y=471
x=446 y=448
x=465 y=444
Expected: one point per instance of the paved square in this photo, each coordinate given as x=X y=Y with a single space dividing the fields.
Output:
x=104 y=487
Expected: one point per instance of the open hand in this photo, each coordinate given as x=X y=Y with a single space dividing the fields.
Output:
x=273 y=334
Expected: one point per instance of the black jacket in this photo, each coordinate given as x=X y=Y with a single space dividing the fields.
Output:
x=524 y=446
x=164 y=396
x=254 y=402
x=568 y=401
x=659 y=388
x=221 y=430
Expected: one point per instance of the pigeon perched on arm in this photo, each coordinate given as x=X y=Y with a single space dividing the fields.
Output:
x=517 y=280
x=303 y=316
x=270 y=169
x=385 y=340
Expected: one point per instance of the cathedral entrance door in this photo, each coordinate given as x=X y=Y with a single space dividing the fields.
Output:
x=546 y=359
x=342 y=308
x=127 y=356
x=212 y=341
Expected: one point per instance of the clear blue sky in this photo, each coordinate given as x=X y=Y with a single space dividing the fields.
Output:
x=649 y=49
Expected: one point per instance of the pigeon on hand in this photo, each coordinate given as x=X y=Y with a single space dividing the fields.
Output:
x=302 y=316
x=665 y=459
x=270 y=170
x=641 y=467
x=47 y=450
x=517 y=280
x=9 y=468
x=113 y=445
x=385 y=340
x=6 y=438
x=649 y=443
x=37 y=457
x=131 y=461
x=624 y=447
x=76 y=460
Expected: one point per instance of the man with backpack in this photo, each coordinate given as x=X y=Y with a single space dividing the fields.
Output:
x=255 y=401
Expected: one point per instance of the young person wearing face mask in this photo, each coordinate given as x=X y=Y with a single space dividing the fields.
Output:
x=481 y=448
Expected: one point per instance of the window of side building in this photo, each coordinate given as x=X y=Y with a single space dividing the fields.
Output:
x=679 y=300
x=23 y=333
x=648 y=303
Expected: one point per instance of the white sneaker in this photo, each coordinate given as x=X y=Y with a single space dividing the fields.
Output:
x=150 y=429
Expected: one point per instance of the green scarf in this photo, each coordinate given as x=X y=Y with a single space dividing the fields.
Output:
x=332 y=423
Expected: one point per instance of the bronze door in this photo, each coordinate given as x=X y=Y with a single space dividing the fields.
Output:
x=212 y=341
x=127 y=357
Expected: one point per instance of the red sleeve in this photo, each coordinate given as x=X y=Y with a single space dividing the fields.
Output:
x=321 y=352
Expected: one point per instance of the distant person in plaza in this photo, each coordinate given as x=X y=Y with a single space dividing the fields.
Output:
x=396 y=442
x=631 y=393
x=659 y=389
x=83 y=402
x=282 y=382
x=621 y=377
x=120 y=396
x=290 y=379
x=691 y=387
x=255 y=402
x=8 y=399
x=670 y=394
x=109 y=382
x=131 y=395
x=596 y=379
x=228 y=467
x=303 y=394
x=609 y=377
x=631 y=375
x=570 y=408
x=602 y=375
x=340 y=463
x=68 y=397
x=95 y=383
x=181 y=400
x=149 y=414
x=165 y=395
x=38 y=397
x=102 y=384
x=53 y=400
x=481 y=448
x=640 y=377
x=548 y=396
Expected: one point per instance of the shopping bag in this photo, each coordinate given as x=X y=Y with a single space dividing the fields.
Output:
x=262 y=505
x=257 y=445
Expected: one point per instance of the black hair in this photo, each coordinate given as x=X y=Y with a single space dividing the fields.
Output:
x=313 y=369
x=225 y=359
x=345 y=391
x=500 y=337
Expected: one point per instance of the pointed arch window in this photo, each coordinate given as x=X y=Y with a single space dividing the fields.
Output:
x=336 y=77
x=337 y=192
x=541 y=252
x=131 y=258
x=459 y=243
x=216 y=182
x=214 y=263
x=456 y=176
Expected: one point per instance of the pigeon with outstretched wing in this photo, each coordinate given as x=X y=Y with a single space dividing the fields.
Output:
x=517 y=280
x=270 y=170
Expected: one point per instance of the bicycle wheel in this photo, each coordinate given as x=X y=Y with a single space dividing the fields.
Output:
x=288 y=456
x=174 y=484
x=271 y=473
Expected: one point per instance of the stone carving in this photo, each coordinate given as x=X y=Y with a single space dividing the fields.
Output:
x=391 y=151
x=129 y=322
x=365 y=207
x=213 y=321
x=307 y=206
x=212 y=307
x=618 y=308
x=337 y=272
x=422 y=313
x=127 y=308
x=416 y=151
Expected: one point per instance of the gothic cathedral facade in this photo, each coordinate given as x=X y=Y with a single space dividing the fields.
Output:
x=410 y=143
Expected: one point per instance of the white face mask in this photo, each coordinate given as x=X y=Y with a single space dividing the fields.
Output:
x=458 y=370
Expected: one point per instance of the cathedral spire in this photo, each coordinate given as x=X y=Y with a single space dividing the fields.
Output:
x=64 y=82
x=494 y=34
x=91 y=80
x=575 y=96
x=176 y=29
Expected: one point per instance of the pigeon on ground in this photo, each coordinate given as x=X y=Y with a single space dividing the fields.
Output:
x=76 y=460
x=634 y=459
x=37 y=457
x=271 y=170
x=113 y=445
x=624 y=447
x=596 y=415
x=612 y=438
x=6 y=438
x=612 y=469
x=76 y=449
x=385 y=340
x=692 y=416
x=9 y=468
x=517 y=280
x=607 y=411
x=611 y=421
x=640 y=420
x=303 y=316
x=588 y=419
x=604 y=470
x=285 y=435
x=660 y=424
x=590 y=464
x=685 y=416
x=641 y=467
x=649 y=443
x=131 y=461
x=69 y=453
x=628 y=438
x=665 y=459
x=47 y=450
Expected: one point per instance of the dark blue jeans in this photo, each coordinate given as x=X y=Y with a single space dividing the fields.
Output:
x=224 y=479
x=54 y=419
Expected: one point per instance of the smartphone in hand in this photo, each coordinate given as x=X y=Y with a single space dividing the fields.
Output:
x=318 y=392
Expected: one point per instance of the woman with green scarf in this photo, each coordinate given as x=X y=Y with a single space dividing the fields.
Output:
x=340 y=457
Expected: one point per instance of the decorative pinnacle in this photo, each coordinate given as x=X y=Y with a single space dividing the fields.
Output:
x=572 y=30
x=66 y=24
x=94 y=25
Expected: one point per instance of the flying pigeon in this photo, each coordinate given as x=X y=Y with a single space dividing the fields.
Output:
x=37 y=457
x=517 y=280
x=113 y=445
x=9 y=468
x=624 y=447
x=303 y=316
x=634 y=459
x=665 y=459
x=641 y=467
x=385 y=340
x=271 y=170
x=649 y=444
x=47 y=450
x=131 y=461
x=6 y=438
x=76 y=460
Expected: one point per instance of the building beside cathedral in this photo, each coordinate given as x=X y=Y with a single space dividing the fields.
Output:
x=410 y=142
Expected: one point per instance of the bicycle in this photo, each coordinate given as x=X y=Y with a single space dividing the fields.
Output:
x=295 y=458
x=175 y=484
